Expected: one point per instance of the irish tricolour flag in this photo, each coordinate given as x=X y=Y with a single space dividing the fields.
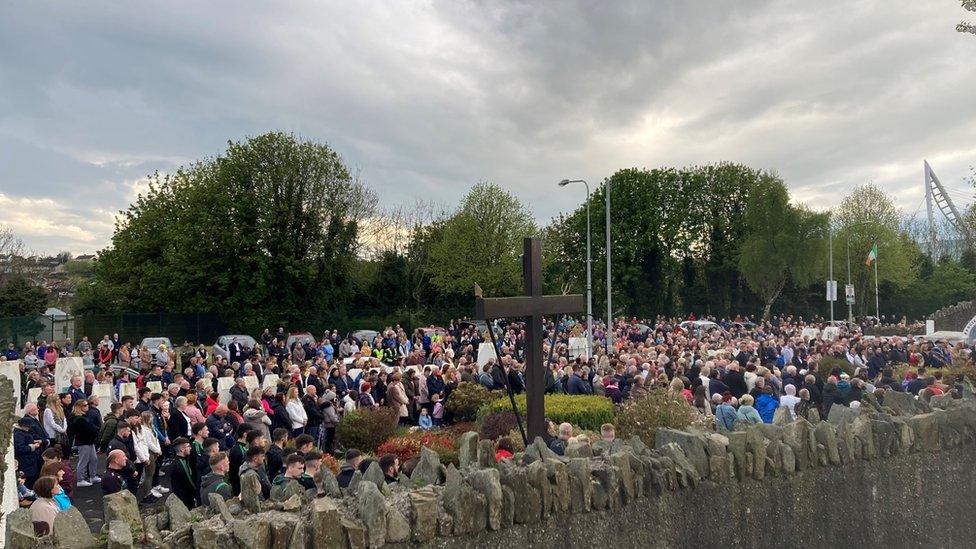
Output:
x=872 y=255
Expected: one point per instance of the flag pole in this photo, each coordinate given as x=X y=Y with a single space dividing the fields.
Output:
x=877 y=306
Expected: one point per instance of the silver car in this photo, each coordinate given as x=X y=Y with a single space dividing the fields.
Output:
x=221 y=347
x=153 y=344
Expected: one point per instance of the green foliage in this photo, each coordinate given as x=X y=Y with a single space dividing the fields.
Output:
x=676 y=235
x=18 y=297
x=785 y=243
x=867 y=217
x=367 y=429
x=658 y=409
x=467 y=399
x=949 y=283
x=586 y=412
x=264 y=230
x=828 y=363
x=481 y=243
x=496 y=424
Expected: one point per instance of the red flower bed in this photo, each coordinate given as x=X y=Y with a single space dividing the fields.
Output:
x=407 y=447
x=330 y=463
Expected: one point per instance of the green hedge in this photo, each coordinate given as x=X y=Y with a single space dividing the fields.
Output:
x=586 y=412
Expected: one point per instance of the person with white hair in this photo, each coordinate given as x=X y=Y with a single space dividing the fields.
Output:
x=789 y=400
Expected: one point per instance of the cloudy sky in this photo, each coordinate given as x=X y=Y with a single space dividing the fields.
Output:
x=426 y=98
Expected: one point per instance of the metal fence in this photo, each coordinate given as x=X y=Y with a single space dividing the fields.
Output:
x=207 y=327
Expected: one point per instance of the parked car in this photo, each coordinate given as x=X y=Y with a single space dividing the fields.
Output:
x=153 y=344
x=481 y=326
x=363 y=336
x=220 y=348
x=303 y=337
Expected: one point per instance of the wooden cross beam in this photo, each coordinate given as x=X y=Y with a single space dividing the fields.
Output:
x=533 y=306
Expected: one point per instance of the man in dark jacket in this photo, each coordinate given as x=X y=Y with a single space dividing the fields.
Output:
x=575 y=384
x=236 y=454
x=124 y=443
x=435 y=384
x=273 y=461
x=735 y=381
x=254 y=465
x=349 y=467
x=515 y=380
x=218 y=425
x=107 y=432
x=214 y=482
x=888 y=380
x=182 y=477
x=314 y=412
x=239 y=393
x=115 y=478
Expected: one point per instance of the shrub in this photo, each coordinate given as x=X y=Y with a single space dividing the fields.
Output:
x=644 y=416
x=828 y=363
x=367 y=429
x=465 y=401
x=585 y=412
x=497 y=424
x=407 y=447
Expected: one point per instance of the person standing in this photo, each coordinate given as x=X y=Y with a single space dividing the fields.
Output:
x=85 y=436
x=56 y=424
x=116 y=477
x=27 y=451
x=144 y=436
x=296 y=411
x=182 y=477
x=396 y=397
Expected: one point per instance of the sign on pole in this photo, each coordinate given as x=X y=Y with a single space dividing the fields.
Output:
x=849 y=294
x=831 y=290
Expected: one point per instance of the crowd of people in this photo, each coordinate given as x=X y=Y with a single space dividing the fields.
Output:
x=205 y=441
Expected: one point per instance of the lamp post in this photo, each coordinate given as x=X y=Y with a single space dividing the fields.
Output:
x=589 y=272
x=606 y=189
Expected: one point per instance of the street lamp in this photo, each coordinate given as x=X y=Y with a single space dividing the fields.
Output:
x=606 y=190
x=589 y=274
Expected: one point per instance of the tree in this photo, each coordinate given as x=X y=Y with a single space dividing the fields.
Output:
x=966 y=26
x=12 y=252
x=18 y=297
x=676 y=235
x=482 y=243
x=865 y=218
x=785 y=244
x=948 y=284
x=266 y=229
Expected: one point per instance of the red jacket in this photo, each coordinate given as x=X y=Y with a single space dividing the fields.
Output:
x=211 y=406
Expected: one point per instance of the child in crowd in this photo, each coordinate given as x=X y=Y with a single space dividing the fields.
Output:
x=424 y=421
x=438 y=410
x=25 y=495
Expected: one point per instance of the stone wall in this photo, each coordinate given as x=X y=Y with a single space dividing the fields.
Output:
x=8 y=479
x=896 y=473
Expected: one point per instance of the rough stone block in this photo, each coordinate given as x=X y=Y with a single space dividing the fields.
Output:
x=70 y=530
x=325 y=517
x=372 y=511
x=468 y=449
x=692 y=445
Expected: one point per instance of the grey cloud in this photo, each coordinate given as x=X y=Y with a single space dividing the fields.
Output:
x=425 y=99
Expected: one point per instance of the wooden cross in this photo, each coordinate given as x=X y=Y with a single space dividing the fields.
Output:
x=533 y=306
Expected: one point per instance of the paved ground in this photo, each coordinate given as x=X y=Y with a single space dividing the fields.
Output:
x=89 y=500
